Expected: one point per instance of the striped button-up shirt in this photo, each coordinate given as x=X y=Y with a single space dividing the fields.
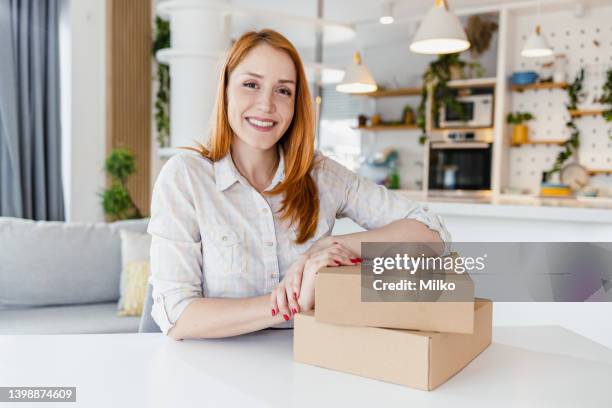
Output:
x=214 y=235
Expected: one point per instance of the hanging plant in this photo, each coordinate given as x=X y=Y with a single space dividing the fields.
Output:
x=162 y=97
x=437 y=75
x=479 y=32
x=606 y=97
x=571 y=145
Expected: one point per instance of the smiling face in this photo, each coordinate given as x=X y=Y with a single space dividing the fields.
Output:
x=261 y=97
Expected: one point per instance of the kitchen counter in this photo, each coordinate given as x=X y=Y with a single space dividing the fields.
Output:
x=515 y=206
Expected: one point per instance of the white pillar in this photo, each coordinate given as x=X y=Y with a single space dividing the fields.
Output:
x=200 y=37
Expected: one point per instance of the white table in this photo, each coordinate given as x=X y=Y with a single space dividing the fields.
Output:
x=542 y=366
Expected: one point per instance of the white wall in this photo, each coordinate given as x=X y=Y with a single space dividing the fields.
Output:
x=83 y=111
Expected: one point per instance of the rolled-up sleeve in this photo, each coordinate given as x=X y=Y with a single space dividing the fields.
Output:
x=176 y=246
x=374 y=206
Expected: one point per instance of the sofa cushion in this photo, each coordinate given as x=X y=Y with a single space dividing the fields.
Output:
x=59 y=263
x=96 y=318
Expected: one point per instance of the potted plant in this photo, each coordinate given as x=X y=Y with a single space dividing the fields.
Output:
x=116 y=200
x=520 y=131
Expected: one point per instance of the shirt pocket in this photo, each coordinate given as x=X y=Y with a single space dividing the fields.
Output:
x=224 y=250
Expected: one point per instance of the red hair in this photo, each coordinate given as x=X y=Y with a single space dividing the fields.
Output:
x=300 y=204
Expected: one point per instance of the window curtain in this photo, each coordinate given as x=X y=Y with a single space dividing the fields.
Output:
x=30 y=134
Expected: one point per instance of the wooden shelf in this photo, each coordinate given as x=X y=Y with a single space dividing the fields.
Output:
x=540 y=85
x=595 y=172
x=378 y=128
x=472 y=83
x=585 y=112
x=540 y=142
x=394 y=92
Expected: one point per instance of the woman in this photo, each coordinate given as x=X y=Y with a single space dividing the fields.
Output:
x=240 y=229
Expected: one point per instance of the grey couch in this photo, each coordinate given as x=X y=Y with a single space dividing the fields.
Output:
x=58 y=277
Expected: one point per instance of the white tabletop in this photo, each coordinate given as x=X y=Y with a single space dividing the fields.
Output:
x=525 y=366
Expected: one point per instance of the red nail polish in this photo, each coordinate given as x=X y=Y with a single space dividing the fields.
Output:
x=359 y=259
x=337 y=263
x=285 y=317
x=294 y=311
x=273 y=312
x=354 y=260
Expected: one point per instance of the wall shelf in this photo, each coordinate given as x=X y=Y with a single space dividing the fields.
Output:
x=472 y=83
x=537 y=86
x=413 y=91
x=585 y=112
x=540 y=142
x=378 y=128
x=594 y=172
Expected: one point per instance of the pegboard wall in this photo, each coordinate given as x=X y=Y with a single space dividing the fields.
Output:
x=586 y=42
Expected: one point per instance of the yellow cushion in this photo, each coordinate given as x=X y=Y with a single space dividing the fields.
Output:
x=137 y=273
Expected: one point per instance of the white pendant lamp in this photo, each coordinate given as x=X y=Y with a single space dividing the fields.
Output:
x=357 y=78
x=536 y=45
x=386 y=14
x=440 y=32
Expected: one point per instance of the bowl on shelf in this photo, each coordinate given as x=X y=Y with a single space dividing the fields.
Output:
x=524 y=77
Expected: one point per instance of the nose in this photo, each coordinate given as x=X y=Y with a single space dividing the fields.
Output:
x=265 y=102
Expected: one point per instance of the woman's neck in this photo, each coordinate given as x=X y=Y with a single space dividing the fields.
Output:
x=257 y=166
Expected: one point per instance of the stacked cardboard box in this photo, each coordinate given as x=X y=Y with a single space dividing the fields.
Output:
x=417 y=344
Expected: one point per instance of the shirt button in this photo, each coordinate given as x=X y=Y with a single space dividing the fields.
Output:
x=269 y=243
x=224 y=238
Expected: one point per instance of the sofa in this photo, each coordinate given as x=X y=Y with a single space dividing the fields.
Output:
x=59 y=277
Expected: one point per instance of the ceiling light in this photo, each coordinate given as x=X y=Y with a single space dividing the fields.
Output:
x=386 y=14
x=440 y=32
x=357 y=78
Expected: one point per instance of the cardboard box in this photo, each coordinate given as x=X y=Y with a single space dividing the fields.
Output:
x=416 y=359
x=338 y=294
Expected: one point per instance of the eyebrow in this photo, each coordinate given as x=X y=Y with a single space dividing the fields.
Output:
x=282 y=81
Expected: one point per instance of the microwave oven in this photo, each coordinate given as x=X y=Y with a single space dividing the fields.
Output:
x=477 y=112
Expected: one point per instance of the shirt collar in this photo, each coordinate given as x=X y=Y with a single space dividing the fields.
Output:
x=226 y=173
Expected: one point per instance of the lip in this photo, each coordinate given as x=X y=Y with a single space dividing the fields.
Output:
x=260 y=128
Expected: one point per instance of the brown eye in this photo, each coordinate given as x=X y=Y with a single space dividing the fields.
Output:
x=251 y=85
x=285 y=91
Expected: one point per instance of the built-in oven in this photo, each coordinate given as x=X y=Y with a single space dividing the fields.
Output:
x=460 y=165
x=476 y=111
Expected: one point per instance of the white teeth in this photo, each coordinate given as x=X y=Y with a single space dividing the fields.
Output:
x=260 y=123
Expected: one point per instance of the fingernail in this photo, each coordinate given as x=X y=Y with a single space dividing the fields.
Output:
x=354 y=260
x=359 y=260
x=337 y=263
x=285 y=317
x=294 y=311
x=273 y=312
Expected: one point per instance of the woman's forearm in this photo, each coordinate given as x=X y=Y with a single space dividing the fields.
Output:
x=405 y=230
x=217 y=317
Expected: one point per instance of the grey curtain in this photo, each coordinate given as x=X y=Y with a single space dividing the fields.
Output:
x=30 y=136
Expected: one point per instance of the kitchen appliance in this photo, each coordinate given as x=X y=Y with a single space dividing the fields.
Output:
x=477 y=111
x=464 y=165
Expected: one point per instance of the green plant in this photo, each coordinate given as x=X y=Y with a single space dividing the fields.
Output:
x=162 y=97
x=116 y=200
x=518 y=118
x=574 y=91
x=606 y=97
x=436 y=76
x=571 y=145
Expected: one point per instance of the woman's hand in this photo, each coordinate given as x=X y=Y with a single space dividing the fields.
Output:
x=286 y=297
x=334 y=255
